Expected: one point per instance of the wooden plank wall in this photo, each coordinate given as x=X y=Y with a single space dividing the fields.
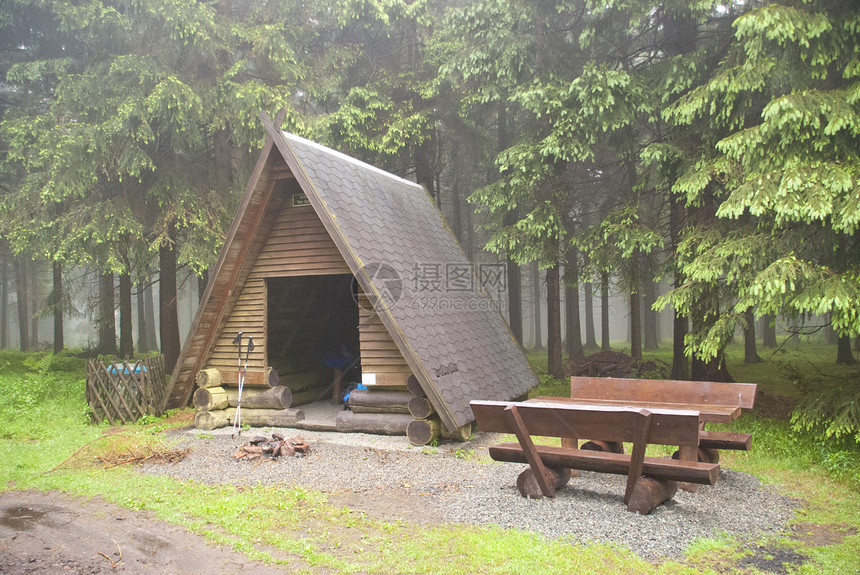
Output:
x=379 y=353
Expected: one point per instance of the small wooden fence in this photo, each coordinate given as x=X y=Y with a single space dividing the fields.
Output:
x=124 y=391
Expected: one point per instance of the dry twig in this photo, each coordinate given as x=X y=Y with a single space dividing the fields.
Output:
x=118 y=562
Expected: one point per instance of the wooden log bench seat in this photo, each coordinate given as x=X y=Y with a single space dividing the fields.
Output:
x=650 y=480
x=716 y=402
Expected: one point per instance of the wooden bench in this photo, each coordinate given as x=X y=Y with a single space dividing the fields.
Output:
x=650 y=480
x=716 y=401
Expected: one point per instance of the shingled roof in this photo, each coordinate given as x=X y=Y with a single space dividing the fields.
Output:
x=393 y=238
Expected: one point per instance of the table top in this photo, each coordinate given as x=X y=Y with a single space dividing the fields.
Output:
x=708 y=413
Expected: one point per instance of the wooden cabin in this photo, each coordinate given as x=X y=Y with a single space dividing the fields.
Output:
x=343 y=273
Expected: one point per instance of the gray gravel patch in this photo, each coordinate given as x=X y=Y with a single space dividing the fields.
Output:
x=459 y=483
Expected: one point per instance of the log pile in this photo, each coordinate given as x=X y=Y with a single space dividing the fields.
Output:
x=425 y=426
x=268 y=405
x=396 y=412
x=272 y=447
x=377 y=411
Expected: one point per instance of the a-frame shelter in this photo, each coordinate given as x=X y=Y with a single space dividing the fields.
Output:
x=315 y=228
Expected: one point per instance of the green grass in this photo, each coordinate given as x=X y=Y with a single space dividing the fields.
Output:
x=45 y=423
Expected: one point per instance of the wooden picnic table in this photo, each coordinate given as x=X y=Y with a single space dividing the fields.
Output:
x=716 y=402
x=650 y=480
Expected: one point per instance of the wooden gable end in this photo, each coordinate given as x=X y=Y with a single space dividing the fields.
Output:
x=297 y=244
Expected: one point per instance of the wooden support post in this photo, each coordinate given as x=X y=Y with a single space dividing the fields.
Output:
x=637 y=457
x=688 y=453
x=542 y=476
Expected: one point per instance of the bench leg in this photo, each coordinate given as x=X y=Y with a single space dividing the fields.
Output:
x=542 y=475
x=688 y=453
x=572 y=443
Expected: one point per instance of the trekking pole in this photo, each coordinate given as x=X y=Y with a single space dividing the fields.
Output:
x=238 y=340
x=248 y=349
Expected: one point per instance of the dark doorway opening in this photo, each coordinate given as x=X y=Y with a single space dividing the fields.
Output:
x=313 y=331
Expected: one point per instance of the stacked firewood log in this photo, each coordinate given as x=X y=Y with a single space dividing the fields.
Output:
x=270 y=404
x=397 y=412
x=272 y=447
x=426 y=426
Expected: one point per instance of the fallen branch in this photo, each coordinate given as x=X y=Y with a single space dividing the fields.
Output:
x=118 y=562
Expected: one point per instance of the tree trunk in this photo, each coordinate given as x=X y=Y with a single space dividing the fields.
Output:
x=573 y=326
x=590 y=339
x=168 y=315
x=635 y=326
x=604 y=311
x=680 y=324
x=537 y=301
x=35 y=297
x=21 y=290
x=149 y=305
x=468 y=236
x=750 y=352
x=705 y=315
x=515 y=294
x=768 y=331
x=202 y=282
x=553 y=323
x=424 y=173
x=843 y=351
x=651 y=333
x=680 y=364
x=126 y=339
x=456 y=207
x=515 y=300
x=107 y=320
x=573 y=323
x=57 y=298
x=141 y=322
x=4 y=303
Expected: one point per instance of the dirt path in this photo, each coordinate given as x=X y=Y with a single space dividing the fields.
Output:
x=51 y=533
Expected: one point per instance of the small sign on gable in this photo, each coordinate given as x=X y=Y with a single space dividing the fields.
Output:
x=300 y=200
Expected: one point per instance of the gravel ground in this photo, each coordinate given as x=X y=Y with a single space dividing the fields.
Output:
x=458 y=483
